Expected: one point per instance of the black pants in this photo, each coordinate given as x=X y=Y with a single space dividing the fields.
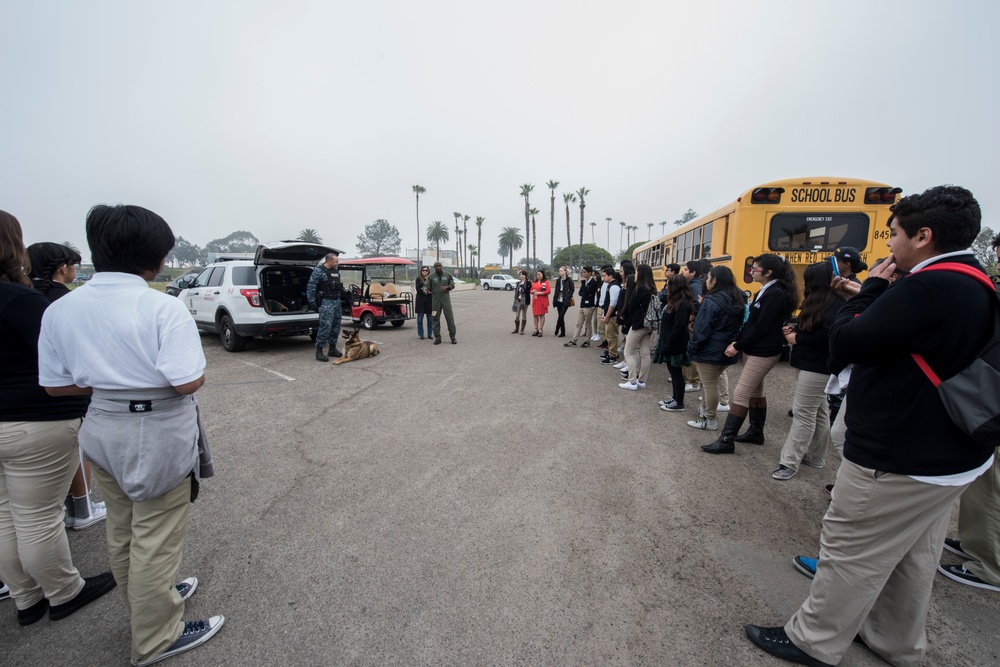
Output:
x=560 y=321
x=677 y=377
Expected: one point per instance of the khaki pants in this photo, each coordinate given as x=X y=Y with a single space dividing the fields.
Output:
x=611 y=335
x=751 y=382
x=979 y=525
x=809 y=436
x=838 y=430
x=712 y=378
x=596 y=315
x=879 y=550
x=583 y=319
x=691 y=374
x=145 y=541
x=638 y=343
x=37 y=464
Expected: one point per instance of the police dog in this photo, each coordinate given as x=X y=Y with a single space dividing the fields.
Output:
x=355 y=348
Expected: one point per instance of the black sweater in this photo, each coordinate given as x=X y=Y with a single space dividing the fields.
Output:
x=761 y=335
x=21 y=398
x=675 y=329
x=637 y=306
x=812 y=348
x=895 y=420
x=588 y=293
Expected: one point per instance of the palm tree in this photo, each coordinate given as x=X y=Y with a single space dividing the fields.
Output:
x=569 y=198
x=436 y=233
x=634 y=228
x=308 y=235
x=458 y=245
x=533 y=257
x=417 y=190
x=608 y=227
x=526 y=193
x=458 y=217
x=620 y=246
x=592 y=225
x=510 y=240
x=479 y=239
x=649 y=234
x=663 y=227
x=465 y=233
x=552 y=219
x=472 y=256
x=581 y=193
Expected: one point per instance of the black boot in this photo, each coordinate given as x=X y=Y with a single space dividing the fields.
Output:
x=755 y=434
x=320 y=356
x=724 y=445
x=334 y=352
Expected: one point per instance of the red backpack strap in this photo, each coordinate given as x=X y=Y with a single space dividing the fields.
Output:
x=954 y=267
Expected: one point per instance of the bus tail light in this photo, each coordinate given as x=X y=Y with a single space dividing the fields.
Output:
x=881 y=195
x=748 y=271
x=252 y=296
x=766 y=195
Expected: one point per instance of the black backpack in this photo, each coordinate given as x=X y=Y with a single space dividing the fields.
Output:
x=972 y=396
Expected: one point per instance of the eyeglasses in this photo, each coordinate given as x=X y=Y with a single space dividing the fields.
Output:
x=756 y=270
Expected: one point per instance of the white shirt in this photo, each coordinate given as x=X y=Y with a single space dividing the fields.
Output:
x=117 y=333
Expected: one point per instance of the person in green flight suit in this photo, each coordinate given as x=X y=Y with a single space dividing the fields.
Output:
x=439 y=286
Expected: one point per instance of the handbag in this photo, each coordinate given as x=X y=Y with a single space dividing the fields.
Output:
x=971 y=397
x=572 y=302
x=652 y=319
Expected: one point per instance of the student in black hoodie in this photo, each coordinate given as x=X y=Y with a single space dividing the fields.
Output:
x=760 y=340
x=809 y=437
x=905 y=460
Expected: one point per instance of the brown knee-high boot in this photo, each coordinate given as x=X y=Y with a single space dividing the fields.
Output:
x=516 y=321
x=524 y=323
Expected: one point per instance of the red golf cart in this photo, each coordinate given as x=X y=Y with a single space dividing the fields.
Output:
x=375 y=299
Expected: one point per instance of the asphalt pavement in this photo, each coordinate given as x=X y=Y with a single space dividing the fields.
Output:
x=496 y=502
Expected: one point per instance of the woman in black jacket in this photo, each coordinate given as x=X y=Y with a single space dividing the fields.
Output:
x=424 y=304
x=561 y=295
x=809 y=436
x=522 y=299
x=676 y=316
x=717 y=324
x=761 y=341
x=638 y=340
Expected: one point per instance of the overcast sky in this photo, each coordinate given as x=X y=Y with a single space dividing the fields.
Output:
x=276 y=116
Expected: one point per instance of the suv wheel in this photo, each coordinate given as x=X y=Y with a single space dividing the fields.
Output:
x=231 y=341
x=508 y=287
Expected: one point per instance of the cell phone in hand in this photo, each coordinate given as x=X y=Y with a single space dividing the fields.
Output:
x=836 y=267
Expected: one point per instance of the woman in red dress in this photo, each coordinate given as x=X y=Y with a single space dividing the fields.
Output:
x=540 y=290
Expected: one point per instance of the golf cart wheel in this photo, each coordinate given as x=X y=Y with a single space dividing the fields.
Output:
x=368 y=321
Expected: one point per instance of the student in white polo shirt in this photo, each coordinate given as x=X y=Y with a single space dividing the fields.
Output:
x=141 y=361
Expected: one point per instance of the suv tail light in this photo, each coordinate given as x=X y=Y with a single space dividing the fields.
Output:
x=881 y=195
x=253 y=296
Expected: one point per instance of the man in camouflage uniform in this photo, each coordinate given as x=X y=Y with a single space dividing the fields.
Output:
x=439 y=286
x=326 y=288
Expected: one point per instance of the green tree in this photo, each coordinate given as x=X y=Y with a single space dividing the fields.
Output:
x=510 y=240
x=534 y=238
x=581 y=193
x=185 y=253
x=593 y=256
x=552 y=218
x=982 y=248
x=235 y=242
x=379 y=239
x=418 y=190
x=437 y=232
x=627 y=252
x=688 y=216
x=479 y=236
x=526 y=193
x=309 y=235
x=568 y=198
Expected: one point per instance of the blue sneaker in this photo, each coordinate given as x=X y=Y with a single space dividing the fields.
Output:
x=806 y=566
x=195 y=634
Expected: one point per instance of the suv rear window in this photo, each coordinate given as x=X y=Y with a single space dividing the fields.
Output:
x=244 y=275
x=817 y=232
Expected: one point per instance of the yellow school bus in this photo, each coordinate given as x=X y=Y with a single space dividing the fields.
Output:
x=803 y=219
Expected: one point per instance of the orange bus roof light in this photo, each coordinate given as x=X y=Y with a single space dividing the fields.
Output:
x=881 y=195
x=766 y=195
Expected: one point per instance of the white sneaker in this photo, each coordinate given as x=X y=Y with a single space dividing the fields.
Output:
x=629 y=386
x=701 y=411
x=595 y=338
x=723 y=407
x=692 y=387
x=622 y=365
x=704 y=424
x=98 y=512
x=4 y=591
x=641 y=384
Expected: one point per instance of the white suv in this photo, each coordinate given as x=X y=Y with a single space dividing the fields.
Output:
x=265 y=297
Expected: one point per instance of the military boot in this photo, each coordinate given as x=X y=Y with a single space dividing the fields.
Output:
x=334 y=352
x=724 y=445
x=755 y=433
x=320 y=356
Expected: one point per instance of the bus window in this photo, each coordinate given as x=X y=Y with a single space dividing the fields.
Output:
x=816 y=232
x=706 y=241
x=696 y=243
